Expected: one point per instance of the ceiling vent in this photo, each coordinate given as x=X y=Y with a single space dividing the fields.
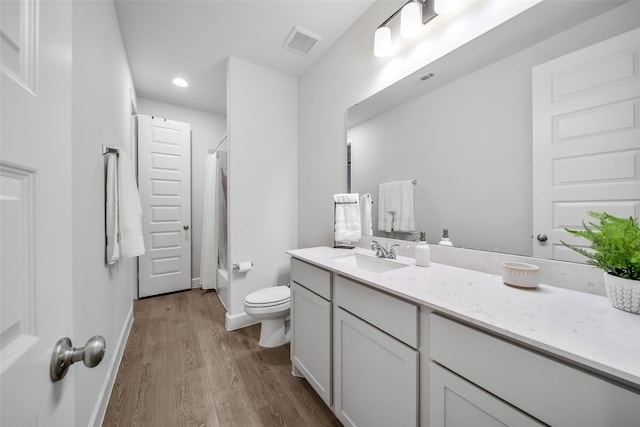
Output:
x=301 y=41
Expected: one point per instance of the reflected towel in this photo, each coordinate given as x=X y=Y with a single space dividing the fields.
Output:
x=129 y=209
x=365 y=215
x=395 y=206
x=388 y=205
x=347 y=217
x=405 y=214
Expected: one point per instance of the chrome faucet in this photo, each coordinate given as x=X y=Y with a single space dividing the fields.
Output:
x=383 y=252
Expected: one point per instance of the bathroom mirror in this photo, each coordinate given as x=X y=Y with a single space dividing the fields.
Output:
x=462 y=128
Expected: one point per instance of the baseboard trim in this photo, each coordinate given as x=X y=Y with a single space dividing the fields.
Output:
x=99 y=411
x=238 y=321
x=195 y=282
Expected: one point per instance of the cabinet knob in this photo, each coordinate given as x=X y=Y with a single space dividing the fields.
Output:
x=541 y=237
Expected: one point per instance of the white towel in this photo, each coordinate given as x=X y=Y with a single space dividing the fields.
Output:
x=388 y=205
x=112 y=227
x=405 y=215
x=395 y=206
x=365 y=215
x=347 y=217
x=129 y=209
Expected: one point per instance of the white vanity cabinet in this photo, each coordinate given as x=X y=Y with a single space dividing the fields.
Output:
x=492 y=380
x=375 y=357
x=311 y=314
x=422 y=347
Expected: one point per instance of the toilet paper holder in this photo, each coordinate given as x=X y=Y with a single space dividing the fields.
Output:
x=236 y=265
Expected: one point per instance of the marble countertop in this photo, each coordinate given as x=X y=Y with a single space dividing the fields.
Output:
x=575 y=326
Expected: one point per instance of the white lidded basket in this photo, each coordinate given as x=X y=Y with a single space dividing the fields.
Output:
x=520 y=274
x=624 y=294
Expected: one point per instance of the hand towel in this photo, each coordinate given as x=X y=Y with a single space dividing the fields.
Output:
x=112 y=227
x=129 y=209
x=347 y=217
x=395 y=206
x=365 y=215
x=388 y=205
x=405 y=213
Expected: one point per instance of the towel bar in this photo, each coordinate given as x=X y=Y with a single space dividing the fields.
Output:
x=107 y=150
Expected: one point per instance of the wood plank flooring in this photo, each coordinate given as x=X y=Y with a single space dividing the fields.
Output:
x=181 y=367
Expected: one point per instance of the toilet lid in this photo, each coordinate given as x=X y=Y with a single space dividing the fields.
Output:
x=269 y=296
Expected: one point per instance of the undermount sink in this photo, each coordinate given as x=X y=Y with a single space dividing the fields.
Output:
x=369 y=263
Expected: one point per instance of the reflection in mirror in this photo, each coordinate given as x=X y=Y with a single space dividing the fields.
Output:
x=466 y=135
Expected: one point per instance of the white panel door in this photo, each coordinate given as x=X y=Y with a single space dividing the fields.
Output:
x=36 y=301
x=164 y=181
x=586 y=140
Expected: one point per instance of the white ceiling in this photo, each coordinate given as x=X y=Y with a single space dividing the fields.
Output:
x=192 y=39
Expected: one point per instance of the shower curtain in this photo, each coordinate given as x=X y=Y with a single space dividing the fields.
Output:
x=209 y=250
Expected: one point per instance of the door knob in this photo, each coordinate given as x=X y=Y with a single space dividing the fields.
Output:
x=186 y=227
x=541 y=237
x=64 y=355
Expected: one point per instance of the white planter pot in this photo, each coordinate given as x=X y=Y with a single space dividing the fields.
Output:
x=624 y=294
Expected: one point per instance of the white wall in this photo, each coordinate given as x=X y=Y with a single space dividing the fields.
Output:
x=102 y=296
x=349 y=73
x=262 y=124
x=207 y=129
x=469 y=145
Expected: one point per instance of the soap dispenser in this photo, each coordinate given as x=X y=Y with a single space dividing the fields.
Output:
x=423 y=251
x=445 y=238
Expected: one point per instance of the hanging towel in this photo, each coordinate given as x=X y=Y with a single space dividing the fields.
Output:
x=395 y=206
x=365 y=215
x=112 y=228
x=388 y=205
x=347 y=217
x=209 y=248
x=405 y=214
x=129 y=209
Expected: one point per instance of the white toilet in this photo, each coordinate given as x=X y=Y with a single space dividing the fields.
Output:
x=270 y=306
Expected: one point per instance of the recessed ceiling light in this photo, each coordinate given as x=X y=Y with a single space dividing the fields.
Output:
x=180 y=82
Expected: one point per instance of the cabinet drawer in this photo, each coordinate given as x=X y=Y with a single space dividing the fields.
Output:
x=394 y=316
x=313 y=278
x=554 y=392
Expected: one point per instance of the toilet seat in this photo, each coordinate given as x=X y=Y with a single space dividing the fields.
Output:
x=268 y=297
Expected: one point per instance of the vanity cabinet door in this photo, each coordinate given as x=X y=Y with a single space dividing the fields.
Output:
x=311 y=339
x=455 y=402
x=376 y=376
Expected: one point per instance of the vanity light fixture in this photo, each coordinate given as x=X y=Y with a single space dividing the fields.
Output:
x=442 y=7
x=180 y=82
x=413 y=14
x=382 y=42
x=410 y=20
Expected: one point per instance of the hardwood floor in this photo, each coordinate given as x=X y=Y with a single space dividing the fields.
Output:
x=182 y=368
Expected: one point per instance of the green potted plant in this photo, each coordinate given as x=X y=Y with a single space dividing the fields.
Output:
x=615 y=248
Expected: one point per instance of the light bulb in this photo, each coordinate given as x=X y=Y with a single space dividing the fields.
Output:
x=410 y=20
x=382 y=42
x=442 y=7
x=180 y=82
